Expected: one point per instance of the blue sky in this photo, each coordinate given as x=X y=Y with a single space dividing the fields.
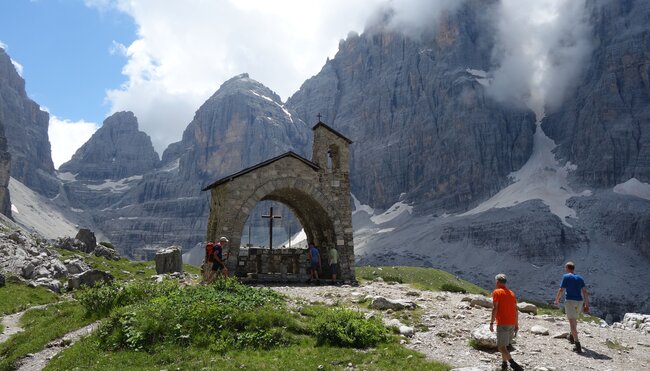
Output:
x=65 y=50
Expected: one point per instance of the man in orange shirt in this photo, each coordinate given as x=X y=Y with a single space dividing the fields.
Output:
x=504 y=311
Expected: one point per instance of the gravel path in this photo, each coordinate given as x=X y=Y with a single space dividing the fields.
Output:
x=444 y=323
x=38 y=361
x=11 y=323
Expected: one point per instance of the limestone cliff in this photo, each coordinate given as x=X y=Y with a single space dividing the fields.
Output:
x=420 y=119
x=604 y=126
x=25 y=126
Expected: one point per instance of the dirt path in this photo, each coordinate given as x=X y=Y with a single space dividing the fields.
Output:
x=11 y=323
x=38 y=361
x=445 y=322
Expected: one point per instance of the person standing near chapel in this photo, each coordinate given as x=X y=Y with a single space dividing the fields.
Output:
x=314 y=262
x=506 y=315
x=218 y=266
x=575 y=301
x=334 y=262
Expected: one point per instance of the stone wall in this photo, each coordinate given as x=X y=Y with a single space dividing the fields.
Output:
x=277 y=265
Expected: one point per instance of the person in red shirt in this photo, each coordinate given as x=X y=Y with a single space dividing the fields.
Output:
x=504 y=311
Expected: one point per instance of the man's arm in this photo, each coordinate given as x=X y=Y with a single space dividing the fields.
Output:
x=516 y=317
x=585 y=305
x=493 y=317
x=558 y=296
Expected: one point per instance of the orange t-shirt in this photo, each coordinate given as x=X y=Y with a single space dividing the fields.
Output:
x=507 y=310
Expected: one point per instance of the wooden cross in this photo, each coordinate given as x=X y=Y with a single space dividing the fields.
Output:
x=271 y=217
x=319 y=116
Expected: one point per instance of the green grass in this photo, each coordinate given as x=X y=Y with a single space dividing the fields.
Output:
x=420 y=278
x=40 y=327
x=122 y=269
x=17 y=297
x=87 y=355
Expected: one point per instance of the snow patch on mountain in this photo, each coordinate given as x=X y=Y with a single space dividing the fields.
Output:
x=634 y=187
x=542 y=177
x=115 y=185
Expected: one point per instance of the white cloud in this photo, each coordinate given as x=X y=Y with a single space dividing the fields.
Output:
x=185 y=49
x=66 y=136
x=542 y=47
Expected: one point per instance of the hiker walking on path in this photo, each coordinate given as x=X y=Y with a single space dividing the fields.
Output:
x=334 y=262
x=314 y=262
x=218 y=266
x=504 y=311
x=575 y=301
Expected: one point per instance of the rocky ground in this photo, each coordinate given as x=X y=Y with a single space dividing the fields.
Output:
x=443 y=322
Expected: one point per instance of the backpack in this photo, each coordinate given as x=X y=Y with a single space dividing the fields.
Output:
x=209 y=252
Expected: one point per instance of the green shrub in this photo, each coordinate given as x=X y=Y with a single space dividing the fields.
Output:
x=225 y=315
x=347 y=328
x=103 y=298
x=450 y=287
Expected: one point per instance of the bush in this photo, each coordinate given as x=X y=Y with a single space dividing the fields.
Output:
x=222 y=316
x=101 y=299
x=346 y=328
x=450 y=287
x=389 y=278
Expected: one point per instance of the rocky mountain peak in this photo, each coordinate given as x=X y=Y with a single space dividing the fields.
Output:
x=243 y=84
x=117 y=150
x=243 y=123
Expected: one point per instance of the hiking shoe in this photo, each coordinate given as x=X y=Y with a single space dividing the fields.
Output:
x=570 y=337
x=504 y=366
x=577 y=348
x=515 y=366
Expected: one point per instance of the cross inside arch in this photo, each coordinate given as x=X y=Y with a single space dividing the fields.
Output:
x=270 y=216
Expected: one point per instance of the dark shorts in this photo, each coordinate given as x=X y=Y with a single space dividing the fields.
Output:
x=314 y=265
x=333 y=268
x=216 y=266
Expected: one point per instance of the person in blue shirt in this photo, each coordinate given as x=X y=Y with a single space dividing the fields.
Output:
x=575 y=301
x=314 y=262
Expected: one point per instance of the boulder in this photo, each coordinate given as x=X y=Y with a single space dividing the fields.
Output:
x=106 y=252
x=382 y=303
x=527 y=308
x=27 y=270
x=169 y=260
x=88 y=238
x=561 y=335
x=483 y=338
x=406 y=331
x=50 y=283
x=58 y=268
x=481 y=301
x=88 y=278
x=76 y=266
x=539 y=330
x=71 y=244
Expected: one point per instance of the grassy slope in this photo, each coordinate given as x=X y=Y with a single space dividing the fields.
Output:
x=87 y=354
x=421 y=278
x=17 y=297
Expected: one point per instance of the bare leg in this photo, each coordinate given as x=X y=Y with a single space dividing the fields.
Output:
x=573 y=324
x=505 y=355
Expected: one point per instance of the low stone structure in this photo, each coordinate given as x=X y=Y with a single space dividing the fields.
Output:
x=169 y=260
x=277 y=265
x=316 y=191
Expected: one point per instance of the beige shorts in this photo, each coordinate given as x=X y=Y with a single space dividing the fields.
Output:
x=573 y=308
x=505 y=334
